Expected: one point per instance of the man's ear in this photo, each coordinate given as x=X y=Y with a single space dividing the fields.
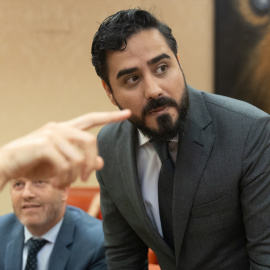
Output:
x=65 y=192
x=109 y=92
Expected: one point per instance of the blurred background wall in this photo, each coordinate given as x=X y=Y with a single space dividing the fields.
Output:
x=45 y=63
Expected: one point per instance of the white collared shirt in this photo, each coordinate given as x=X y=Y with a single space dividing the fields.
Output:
x=43 y=256
x=148 y=167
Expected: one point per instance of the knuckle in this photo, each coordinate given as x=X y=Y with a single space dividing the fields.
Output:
x=91 y=139
x=46 y=141
x=65 y=167
x=79 y=160
x=50 y=125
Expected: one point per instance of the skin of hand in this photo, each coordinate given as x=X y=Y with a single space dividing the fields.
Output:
x=62 y=150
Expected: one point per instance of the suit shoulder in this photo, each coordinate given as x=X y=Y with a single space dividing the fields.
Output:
x=7 y=224
x=7 y=220
x=233 y=106
x=84 y=221
x=113 y=129
x=88 y=232
x=112 y=132
x=225 y=113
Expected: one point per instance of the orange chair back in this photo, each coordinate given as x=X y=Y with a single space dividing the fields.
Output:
x=82 y=196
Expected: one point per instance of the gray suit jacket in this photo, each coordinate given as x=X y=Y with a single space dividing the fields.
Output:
x=221 y=201
x=79 y=244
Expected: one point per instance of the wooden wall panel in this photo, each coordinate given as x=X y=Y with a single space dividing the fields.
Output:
x=45 y=67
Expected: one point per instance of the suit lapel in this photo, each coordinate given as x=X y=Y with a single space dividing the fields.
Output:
x=193 y=154
x=14 y=252
x=194 y=150
x=61 y=253
x=131 y=183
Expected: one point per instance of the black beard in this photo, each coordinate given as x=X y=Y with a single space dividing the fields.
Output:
x=167 y=130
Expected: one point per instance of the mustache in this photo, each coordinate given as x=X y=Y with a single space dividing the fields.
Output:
x=156 y=103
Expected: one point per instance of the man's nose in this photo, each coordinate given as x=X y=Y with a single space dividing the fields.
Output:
x=152 y=88
x=28 y=191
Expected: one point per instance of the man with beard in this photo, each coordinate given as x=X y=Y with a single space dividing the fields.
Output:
x=189 y=174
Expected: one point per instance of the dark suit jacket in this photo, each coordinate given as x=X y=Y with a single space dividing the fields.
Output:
x=221 y=202
x=79 y=244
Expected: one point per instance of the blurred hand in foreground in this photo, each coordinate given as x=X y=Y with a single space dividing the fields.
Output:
x=62 y=150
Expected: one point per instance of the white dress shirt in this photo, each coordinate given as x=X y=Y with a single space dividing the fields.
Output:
x=148 y=167
x=44 y=254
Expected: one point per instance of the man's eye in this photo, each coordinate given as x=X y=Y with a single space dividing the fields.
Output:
x=17 y=185
x=40 y=182
x=132 y=79
x=161 y=69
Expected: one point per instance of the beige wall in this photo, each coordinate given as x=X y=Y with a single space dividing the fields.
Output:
x=45 y=68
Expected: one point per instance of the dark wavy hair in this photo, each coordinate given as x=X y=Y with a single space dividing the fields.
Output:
x=115 y=30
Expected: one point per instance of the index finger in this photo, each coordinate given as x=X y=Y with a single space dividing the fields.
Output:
x=89 y=120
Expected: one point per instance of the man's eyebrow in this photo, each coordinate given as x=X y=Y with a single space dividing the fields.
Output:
x=126 y=71
x=158 y=58
x=150 y=62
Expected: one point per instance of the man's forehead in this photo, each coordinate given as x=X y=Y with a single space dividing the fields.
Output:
x=150 y=40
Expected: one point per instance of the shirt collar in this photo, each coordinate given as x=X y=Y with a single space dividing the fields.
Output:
x=50 y=236
x=142 y=139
